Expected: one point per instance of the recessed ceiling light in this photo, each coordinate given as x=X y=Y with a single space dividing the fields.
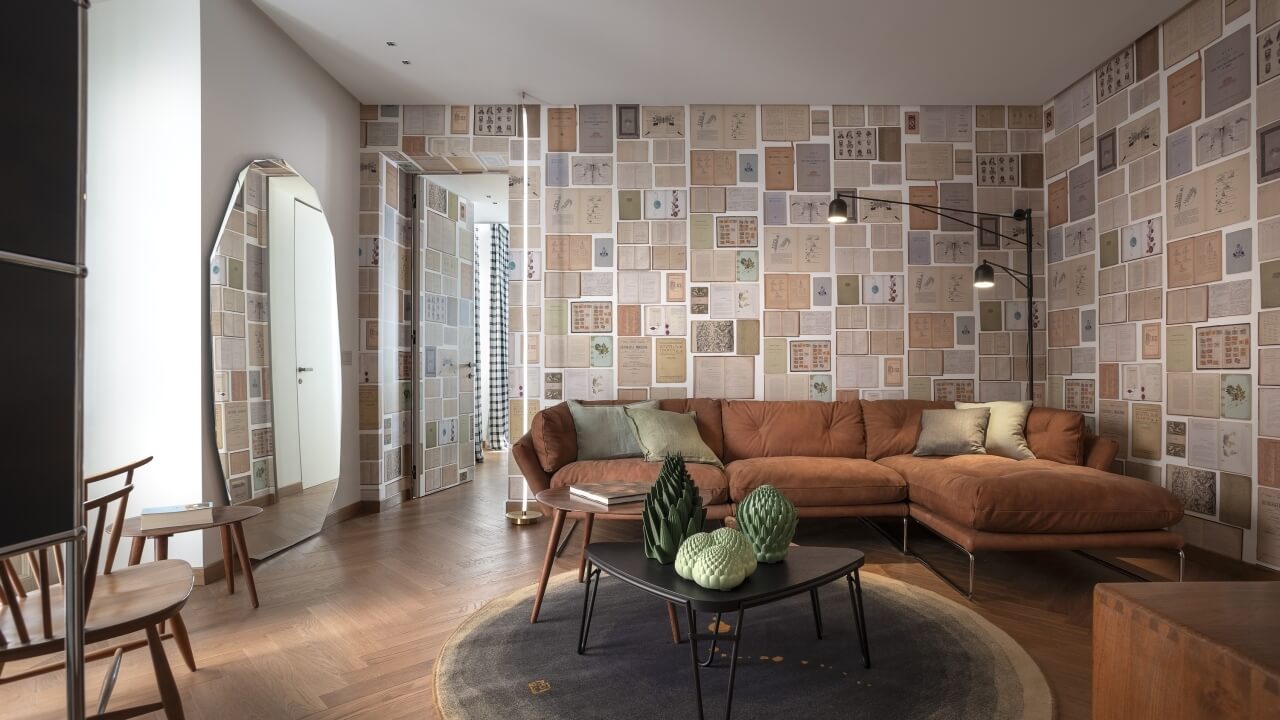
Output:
x=391 y=43
x=404 y=62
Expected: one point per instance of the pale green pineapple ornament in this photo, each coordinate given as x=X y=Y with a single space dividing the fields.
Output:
x=719 y=560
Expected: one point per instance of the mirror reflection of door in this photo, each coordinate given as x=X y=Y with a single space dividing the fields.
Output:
x=277 y=382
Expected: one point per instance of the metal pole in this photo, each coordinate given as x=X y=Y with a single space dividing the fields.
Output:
x=73 y=622
x=1031 y=363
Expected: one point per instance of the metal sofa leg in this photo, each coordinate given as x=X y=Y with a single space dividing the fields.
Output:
x=906 y=524
x=887 y=535
x=968 y=594
x=1182 y=564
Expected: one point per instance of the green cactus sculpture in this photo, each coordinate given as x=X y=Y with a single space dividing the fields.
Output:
x=720 y=560
x=672 y=511
x=768 y=519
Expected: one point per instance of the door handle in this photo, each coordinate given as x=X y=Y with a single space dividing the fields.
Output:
x=306 y=369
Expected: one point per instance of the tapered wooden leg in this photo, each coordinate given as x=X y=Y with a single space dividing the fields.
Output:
x=557 y=525
x=164 y=676
x=183 y=641
x=246 y=564
x=586 y=538
x=228 y=554
x=675 y=623
x=57 y=563
x=135 y=550
x=161 y=547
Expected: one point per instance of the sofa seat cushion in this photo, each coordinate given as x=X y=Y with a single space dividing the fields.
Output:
x=818 y=481
x=909 y=465
x=1035 y=496
x=709 y=479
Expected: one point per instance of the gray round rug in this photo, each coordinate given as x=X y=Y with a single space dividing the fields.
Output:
x=931 y=659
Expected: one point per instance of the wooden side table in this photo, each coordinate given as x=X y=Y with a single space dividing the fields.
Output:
x=1186 y=651
x=227 y=519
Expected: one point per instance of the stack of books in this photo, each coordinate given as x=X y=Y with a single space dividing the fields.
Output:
x=158 y=518
x=610 y=494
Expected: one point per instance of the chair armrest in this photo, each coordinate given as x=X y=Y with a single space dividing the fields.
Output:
x=1099 y=452
x=527 y=459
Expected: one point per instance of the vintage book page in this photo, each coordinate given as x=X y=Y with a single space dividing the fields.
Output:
x=946 y=123
x=1184 y=97
x=783 y=123
x=562 y=129
x=1147 y=437
x=1193 y=27
x=930 y=161
x=635 y=361
x=779 y=164
x=671 y=364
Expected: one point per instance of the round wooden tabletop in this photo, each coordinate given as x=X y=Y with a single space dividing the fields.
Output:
x=222 y=515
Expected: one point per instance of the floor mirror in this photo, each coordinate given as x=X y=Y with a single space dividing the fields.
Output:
x=277 y=386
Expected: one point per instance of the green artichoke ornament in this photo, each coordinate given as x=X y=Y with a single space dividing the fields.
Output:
x=719 y=560
x=672 y=511
x=768 y=519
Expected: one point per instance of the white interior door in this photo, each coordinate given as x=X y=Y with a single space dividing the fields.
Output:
x=316 y=343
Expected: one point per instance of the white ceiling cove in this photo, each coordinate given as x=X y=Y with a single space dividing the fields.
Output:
x=905 y=52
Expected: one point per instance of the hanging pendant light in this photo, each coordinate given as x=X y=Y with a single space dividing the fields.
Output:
x=838 y=211
x=984 y=276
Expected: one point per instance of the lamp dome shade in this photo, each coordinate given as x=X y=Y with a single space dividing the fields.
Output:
x=838 y=211
x=984 y=276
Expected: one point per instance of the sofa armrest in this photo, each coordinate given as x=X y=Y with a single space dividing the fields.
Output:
x=1099 y=452
x=527 y=459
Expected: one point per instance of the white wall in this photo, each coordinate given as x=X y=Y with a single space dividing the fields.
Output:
x=263 y=97
x=144 y=337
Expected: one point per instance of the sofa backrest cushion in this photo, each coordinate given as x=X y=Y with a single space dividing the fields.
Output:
x=893 y=426
x=555 y=438
x=754 y=428
x=1056 y=435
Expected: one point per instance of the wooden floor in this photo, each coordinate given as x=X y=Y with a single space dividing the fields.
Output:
x=288 y=520
x=351 y=620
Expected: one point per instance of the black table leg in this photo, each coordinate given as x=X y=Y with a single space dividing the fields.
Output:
x=715 y=636
x=588 y=605
x=733 y=663
x=859 y=616
x=817 y=611
x=693 y=648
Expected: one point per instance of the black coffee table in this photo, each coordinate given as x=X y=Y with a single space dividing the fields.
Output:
x=805 y=570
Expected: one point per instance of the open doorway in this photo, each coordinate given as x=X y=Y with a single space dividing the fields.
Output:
x=459 y=383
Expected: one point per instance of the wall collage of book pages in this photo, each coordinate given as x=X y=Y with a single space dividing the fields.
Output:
x=683 y=250
x=1164 y=265
x=239 y=297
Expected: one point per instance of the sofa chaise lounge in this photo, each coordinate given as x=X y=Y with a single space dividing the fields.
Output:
x=854 y=459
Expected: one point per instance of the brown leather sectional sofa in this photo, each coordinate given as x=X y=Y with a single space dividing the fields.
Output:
x=853 y=459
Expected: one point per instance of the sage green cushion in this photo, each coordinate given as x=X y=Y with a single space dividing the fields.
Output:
x=605 y=432
x=663 y=433
x=1007 y=428
x=953 y=432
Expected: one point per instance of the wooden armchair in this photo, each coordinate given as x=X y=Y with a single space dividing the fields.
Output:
x=117 y=603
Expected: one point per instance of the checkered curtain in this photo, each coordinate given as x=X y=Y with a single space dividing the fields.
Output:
x=499 y=407
x=477 y=434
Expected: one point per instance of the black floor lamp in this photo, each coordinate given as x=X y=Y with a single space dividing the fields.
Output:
x=984 y=274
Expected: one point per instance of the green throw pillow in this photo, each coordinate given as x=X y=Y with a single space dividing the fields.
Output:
x=953 y=432
x=1006 y=430
x=604 y=432
x=662 y=433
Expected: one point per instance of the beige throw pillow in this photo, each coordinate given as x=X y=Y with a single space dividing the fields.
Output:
x=662 y=433
x=1007 y=428
x=953 y=432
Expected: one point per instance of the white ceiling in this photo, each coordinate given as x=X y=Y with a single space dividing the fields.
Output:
x=486 y=191
x=905 y=52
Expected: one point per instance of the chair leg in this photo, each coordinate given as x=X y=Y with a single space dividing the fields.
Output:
x=135 y=550
x=183 y=641
x=164 y=676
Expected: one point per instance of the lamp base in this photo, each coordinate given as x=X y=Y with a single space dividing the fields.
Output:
x=523 y=517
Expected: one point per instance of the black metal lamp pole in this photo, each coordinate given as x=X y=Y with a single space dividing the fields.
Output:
x=838 y=212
